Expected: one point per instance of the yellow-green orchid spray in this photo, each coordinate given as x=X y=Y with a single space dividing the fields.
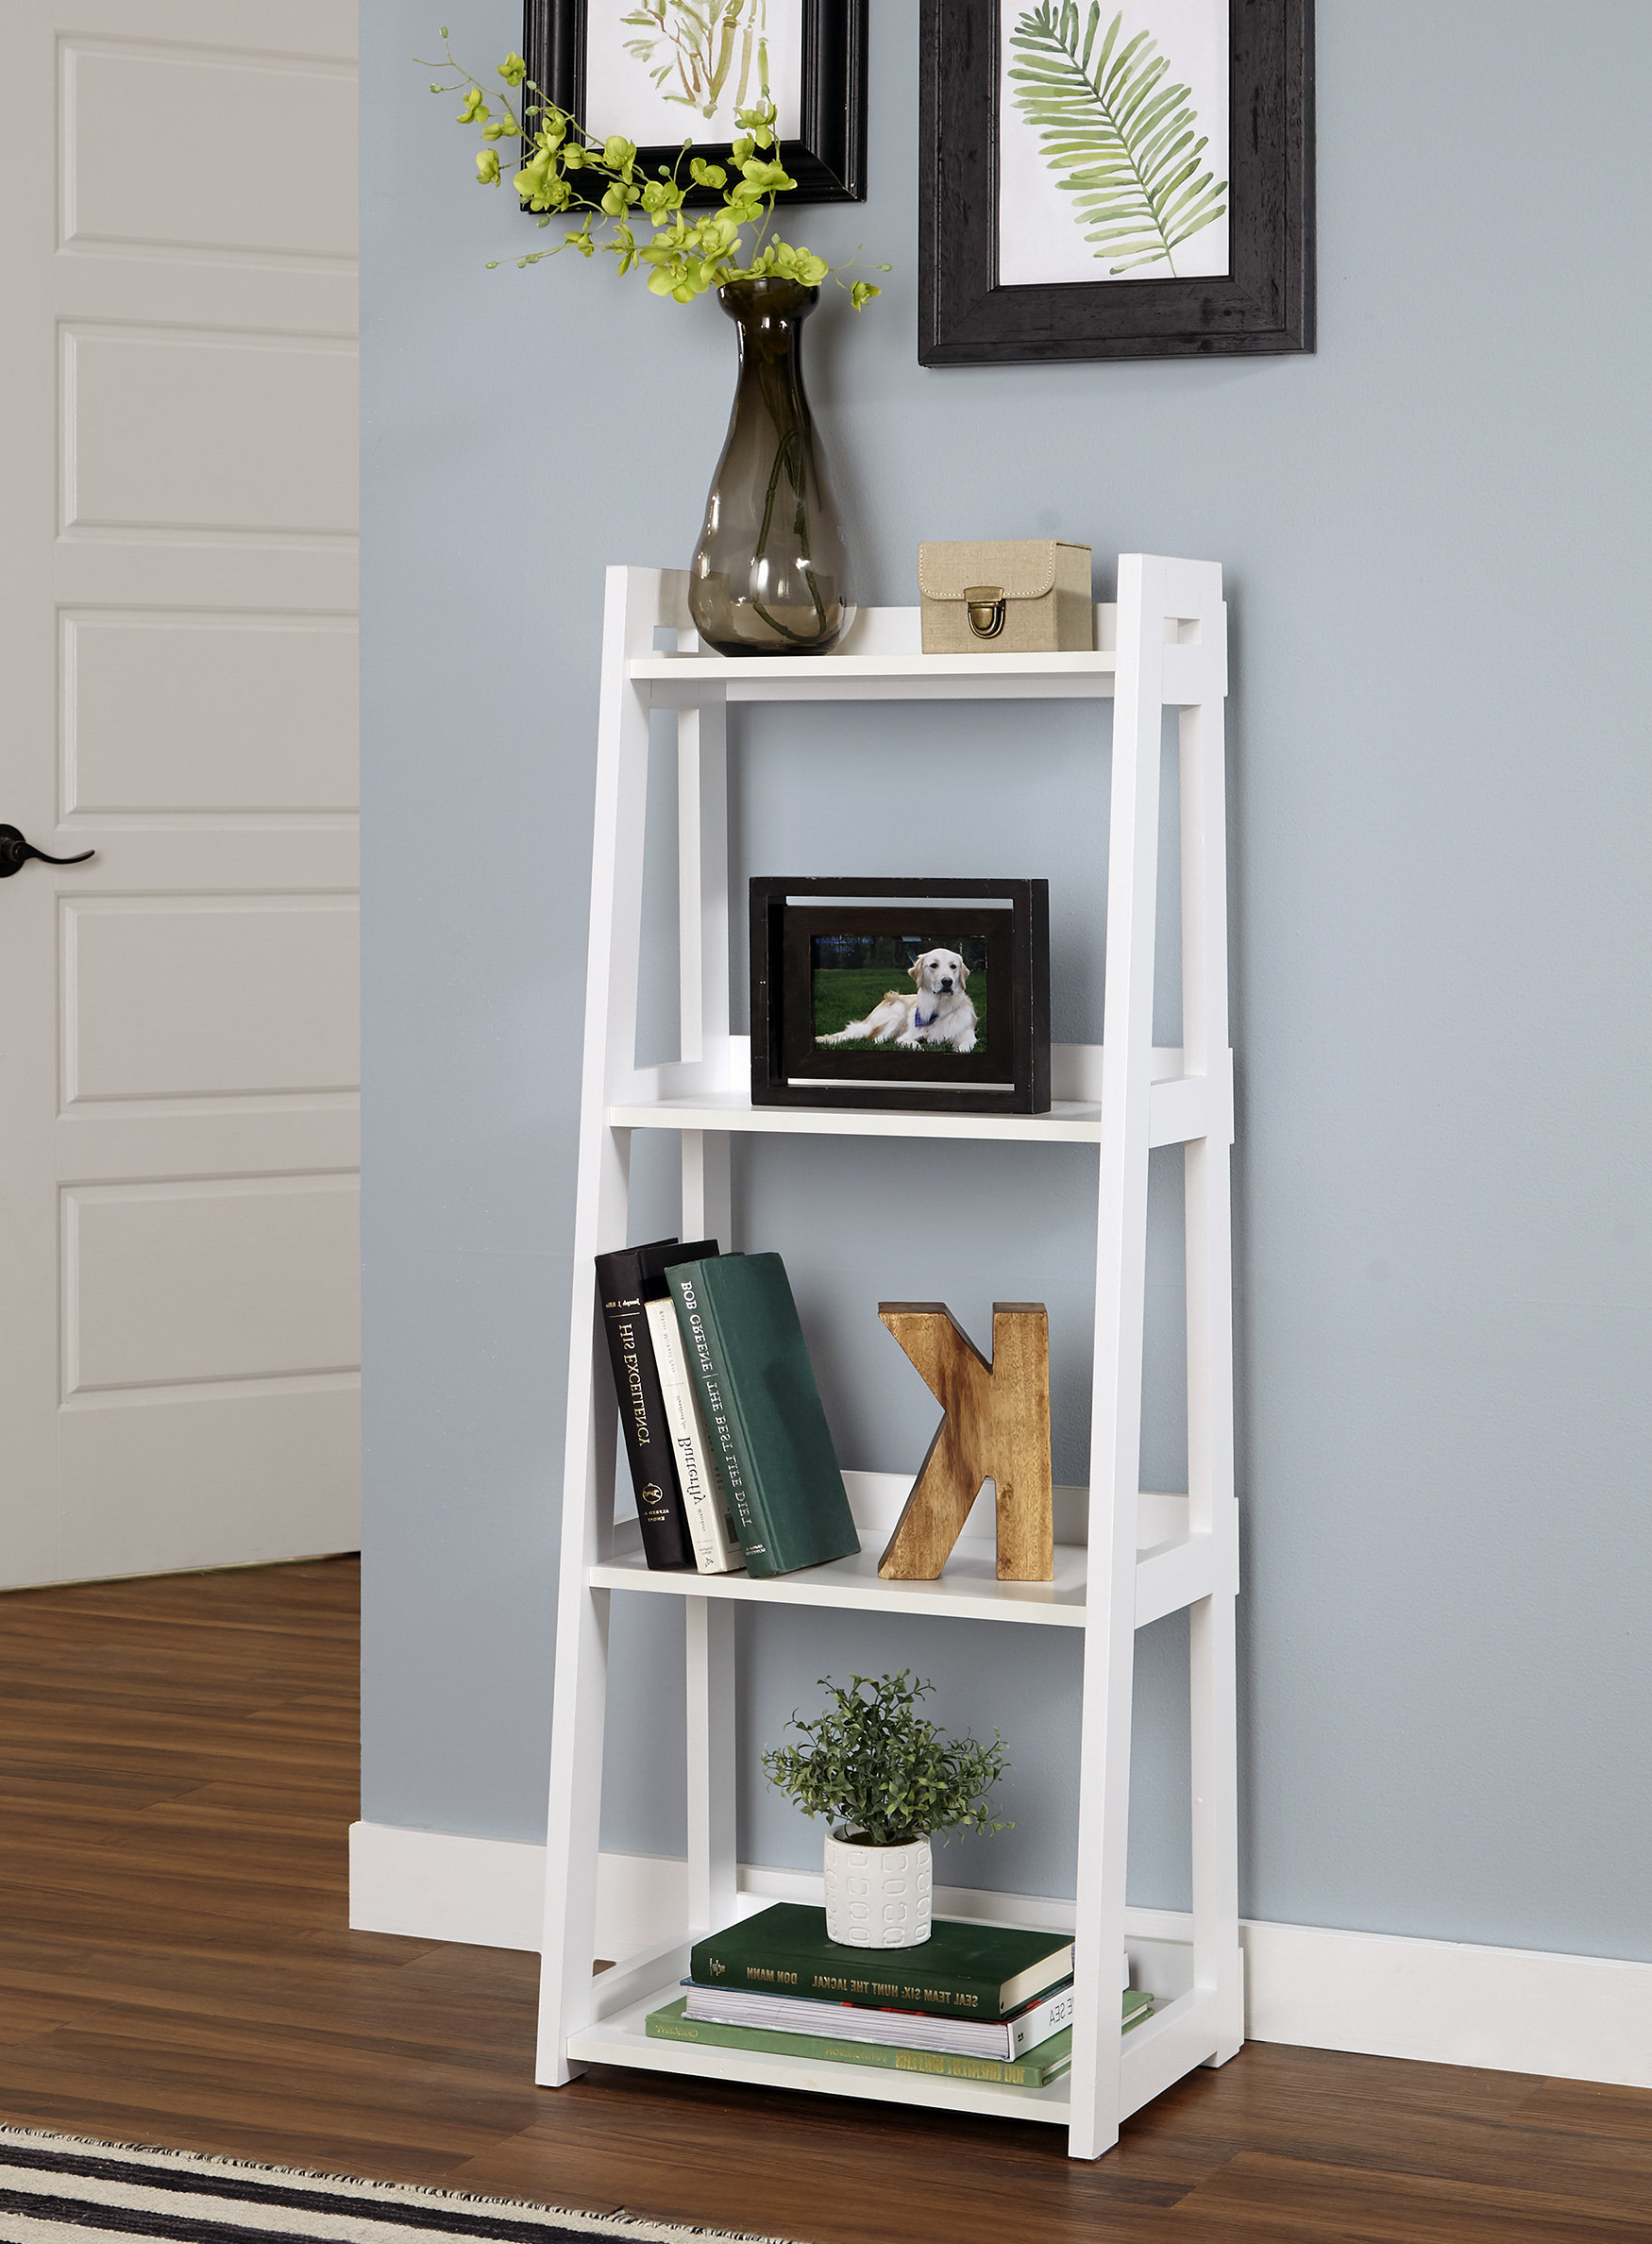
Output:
x=686 y=253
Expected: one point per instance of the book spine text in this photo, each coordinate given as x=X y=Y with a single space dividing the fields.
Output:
x=717 y=1548
x=882 y=1986
x=1040 y=2022
x=716 y=1404
x=660 y=1512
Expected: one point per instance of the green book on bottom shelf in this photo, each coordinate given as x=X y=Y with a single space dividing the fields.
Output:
x=1036 y=2069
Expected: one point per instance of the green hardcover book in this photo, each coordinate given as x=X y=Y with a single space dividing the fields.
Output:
x=761 y=1410
x=963 y=1970
x=1047 y=2063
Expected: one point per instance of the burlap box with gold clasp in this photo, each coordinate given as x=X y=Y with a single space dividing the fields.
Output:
x=1006 y=596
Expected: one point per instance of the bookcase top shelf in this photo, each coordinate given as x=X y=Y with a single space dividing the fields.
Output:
x=671 y=680
x=881 y=658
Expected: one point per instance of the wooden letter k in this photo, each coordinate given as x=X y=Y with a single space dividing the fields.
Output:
x=996 y=1427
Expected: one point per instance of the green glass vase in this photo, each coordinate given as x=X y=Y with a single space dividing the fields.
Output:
x=770 y=574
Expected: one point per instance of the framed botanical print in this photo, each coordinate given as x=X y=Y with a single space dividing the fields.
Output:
x=1116 y=178
x=662 y=72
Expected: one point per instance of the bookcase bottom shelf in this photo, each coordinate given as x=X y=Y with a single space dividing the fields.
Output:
x=624 y=2040
x=1177 y=2038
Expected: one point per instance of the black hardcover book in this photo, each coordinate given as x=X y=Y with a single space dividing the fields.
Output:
x=625 y=1280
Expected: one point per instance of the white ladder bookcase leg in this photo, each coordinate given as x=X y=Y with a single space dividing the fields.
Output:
x=629 y=614
x=702 y=909
x=712 y=1881
x=1109 y=1635
x=1217 y=1961
x=1172 y=642
x=702 y=893
x=702 y=879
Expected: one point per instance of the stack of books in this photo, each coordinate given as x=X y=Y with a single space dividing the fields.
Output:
x=729 y=1449
x=973 y=2002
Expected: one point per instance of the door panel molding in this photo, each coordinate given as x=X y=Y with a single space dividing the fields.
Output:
x=174 y=712
x=197 y=1281
x=189 y=997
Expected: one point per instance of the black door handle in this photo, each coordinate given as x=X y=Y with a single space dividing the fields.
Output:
x=15 y=853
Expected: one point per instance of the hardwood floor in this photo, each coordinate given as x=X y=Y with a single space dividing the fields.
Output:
x=177 y=1770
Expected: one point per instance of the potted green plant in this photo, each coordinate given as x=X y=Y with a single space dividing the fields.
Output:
x=885 y=1781
x=770 y=574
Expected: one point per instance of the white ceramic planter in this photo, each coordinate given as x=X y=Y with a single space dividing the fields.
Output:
x=877 y=1897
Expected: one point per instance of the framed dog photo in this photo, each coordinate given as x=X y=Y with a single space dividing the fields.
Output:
x=933 y=995
x=663 y=72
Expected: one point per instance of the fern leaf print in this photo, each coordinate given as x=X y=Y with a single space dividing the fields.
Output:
x=1119 y=133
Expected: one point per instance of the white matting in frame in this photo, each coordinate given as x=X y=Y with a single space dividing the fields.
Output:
x=1042 y=233
x=664 y=71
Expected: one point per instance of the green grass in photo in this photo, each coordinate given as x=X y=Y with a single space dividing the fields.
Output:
x=846 y=993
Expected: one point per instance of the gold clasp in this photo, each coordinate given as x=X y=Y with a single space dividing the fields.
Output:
x=984 y=605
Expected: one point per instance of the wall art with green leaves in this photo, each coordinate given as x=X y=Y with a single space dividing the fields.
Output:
x=1114 y=141
x=693 y=63
x=664 y=71
x=1085 y=191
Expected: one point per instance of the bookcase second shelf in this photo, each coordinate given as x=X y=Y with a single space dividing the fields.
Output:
x=1174 y=1566
x=714 y=1095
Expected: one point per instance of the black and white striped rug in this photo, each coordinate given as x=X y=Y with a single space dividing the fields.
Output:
x=56 y=2188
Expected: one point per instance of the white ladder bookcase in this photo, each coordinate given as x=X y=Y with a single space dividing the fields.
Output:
x=1123 y=1558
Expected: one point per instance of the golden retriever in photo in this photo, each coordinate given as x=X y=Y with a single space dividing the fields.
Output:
x=937 y=1012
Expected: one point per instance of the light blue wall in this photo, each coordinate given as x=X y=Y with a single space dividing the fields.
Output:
x=1436 y=538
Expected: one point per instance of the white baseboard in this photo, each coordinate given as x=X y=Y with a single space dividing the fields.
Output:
x=440 y=1885
x=1443 y=2002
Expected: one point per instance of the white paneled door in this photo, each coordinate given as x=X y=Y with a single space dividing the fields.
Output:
x=179 y=1320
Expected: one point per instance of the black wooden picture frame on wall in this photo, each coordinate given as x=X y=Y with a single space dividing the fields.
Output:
x=1058 y=140
x=825 y=41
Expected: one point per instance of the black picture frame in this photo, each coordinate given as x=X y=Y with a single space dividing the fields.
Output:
x=1010 y=1075
x=829 y=159
x=1265 y=304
